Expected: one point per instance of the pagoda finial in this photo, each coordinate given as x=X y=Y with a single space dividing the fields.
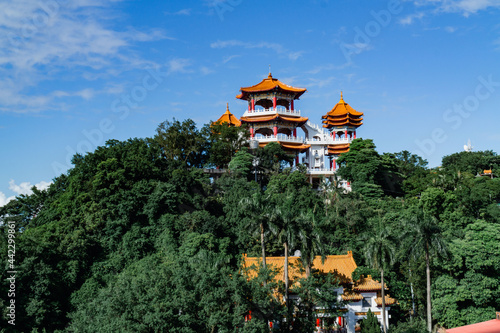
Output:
x=269 y=76
x=227 y=107
x=341 y=97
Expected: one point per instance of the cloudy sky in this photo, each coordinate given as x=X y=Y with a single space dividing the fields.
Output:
x=73 y=74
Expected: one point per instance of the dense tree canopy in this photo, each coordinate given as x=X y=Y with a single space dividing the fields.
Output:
x=137 y=238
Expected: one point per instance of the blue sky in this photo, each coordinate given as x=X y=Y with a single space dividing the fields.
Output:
x=74 y=74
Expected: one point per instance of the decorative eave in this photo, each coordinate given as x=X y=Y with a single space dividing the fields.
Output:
x=342 y=114
x=388 y=301
x=342 y=265
x=228 y=118
x=262 y=119
x=368 y=284
x=338 y=149
x=345 y=122
x=269 y=84
x=350 y=296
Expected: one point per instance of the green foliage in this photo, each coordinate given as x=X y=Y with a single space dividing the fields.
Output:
x=272 y=157
x=473 y=162
x=136 y=238
x=182 y=142
x=416 y=326
x=370 y=324
x=468 y=290
x=224 y=142
x=372 y=175
x=242 y=164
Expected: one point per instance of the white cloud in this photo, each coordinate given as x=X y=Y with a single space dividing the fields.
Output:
x=320 y=82
x=185 y=12
x=25 y=187
x=409 y=19
x=229 y=58
x=178 y=65
x=470 y=6
x=4 y=199
x=278 y=48
x=205 y=70
x=326 y=67
x=450 y=29
x=22 y=188
x=465 y=7
x=44 y=40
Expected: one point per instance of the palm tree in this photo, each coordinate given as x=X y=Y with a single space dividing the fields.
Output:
x=309 y=240
x=426 y=239
x=380 y=253
x=331 y=190
x=261 y=215
x=286 y=230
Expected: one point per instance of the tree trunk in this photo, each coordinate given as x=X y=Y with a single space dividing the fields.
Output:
x=286 y=284
x=428 y=272
x=308 y=270
x=263 y=245
x=286 y=273
x=384 y=320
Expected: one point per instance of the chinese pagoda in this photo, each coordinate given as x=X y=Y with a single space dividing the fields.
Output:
x=271 y=117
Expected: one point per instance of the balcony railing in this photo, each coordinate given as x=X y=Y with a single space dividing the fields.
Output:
x=263 y=112
x=279 y=137
x=320 y=171
x=328 y=140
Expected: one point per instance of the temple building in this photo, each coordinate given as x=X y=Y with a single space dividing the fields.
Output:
x=357 y=297
x=228 y=118
x=272 y=117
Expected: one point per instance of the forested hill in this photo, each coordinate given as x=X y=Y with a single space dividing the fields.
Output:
x=136 y=237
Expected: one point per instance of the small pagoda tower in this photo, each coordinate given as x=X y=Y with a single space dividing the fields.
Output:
x=228 y=118
x=271 y=114
x=342 y=122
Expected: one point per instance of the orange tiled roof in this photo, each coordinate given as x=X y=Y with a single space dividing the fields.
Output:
x=342 y=114
x=288 y=146
x=368 y=284
x=344 y=265
x=268 y=84
x=262 y=119
x=338 y=149
x=388 y=301
x=229 y=118
x=350 y=296
x=487 y=172
x=292 y=146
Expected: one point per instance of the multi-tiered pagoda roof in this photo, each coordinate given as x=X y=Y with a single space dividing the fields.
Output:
x=342 y=114
x=270 y=84
x=228 y=118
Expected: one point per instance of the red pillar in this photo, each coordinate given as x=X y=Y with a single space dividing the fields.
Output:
x=274 y=102
x=296 y=160
x=294 y=132
x=275 y=130
x=252 y=132
x=346 y=135
x=340 y=321
x=334 y=164
x=253 y=104
x=334 y=134
x=318 y=322
x=291 y=105
x=354 y=135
